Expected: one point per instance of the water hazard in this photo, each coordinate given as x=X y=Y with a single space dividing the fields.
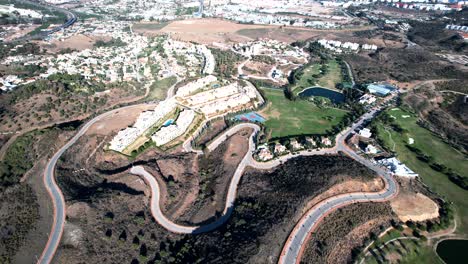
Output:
x=334 y=96
x=453 y=251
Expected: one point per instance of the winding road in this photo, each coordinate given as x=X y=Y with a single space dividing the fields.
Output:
x=231 y=195
x=55 y=192
x=294 y=245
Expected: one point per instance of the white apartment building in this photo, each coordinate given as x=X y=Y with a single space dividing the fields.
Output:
x=169 y=133
x=339 y=47
x=220 y=100
x=146 y=119
x=196 y=85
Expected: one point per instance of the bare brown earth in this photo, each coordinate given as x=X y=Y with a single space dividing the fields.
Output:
x=256 y=68
x=342 y=249
x=22 y=114
x=119 y=120
x=414 y=207
x=25 y=29
x=213 y=129
x=292 y=34
x=216 y=171
x=204 y=31
x=77 y=42
x=209 y=30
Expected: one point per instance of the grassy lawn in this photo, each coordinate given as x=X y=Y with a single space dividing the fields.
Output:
x=387 y=237
x=410 y=252
x=158 y=89
x=307 y=80
x=333 y=75
x=288 y=118
x=440 y=151
x=421 y=254
x=329 y=80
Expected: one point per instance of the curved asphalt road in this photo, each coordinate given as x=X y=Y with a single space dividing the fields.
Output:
x=231 y=195
x=308 y=222
x=295 y=244
x=56 y=194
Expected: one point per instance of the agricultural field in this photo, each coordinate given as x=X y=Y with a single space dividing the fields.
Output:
x=288 y=118
x=431 y=146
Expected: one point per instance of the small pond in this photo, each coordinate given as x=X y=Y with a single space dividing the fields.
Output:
x=334 y=96
x=453 y=251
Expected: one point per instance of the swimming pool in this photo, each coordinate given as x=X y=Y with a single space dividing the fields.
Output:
x=168 y=122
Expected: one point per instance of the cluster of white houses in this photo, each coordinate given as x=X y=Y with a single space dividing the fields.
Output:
x=181 y=58
x=269 y=47
x=340 y=47
x=265 y=152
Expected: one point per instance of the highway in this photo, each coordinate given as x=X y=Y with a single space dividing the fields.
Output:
x=71 y=19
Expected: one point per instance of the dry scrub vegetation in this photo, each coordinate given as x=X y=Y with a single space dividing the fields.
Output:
x=345 y=229
x=117 y=226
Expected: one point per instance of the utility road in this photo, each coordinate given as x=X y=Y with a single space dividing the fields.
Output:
x=298 y=237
